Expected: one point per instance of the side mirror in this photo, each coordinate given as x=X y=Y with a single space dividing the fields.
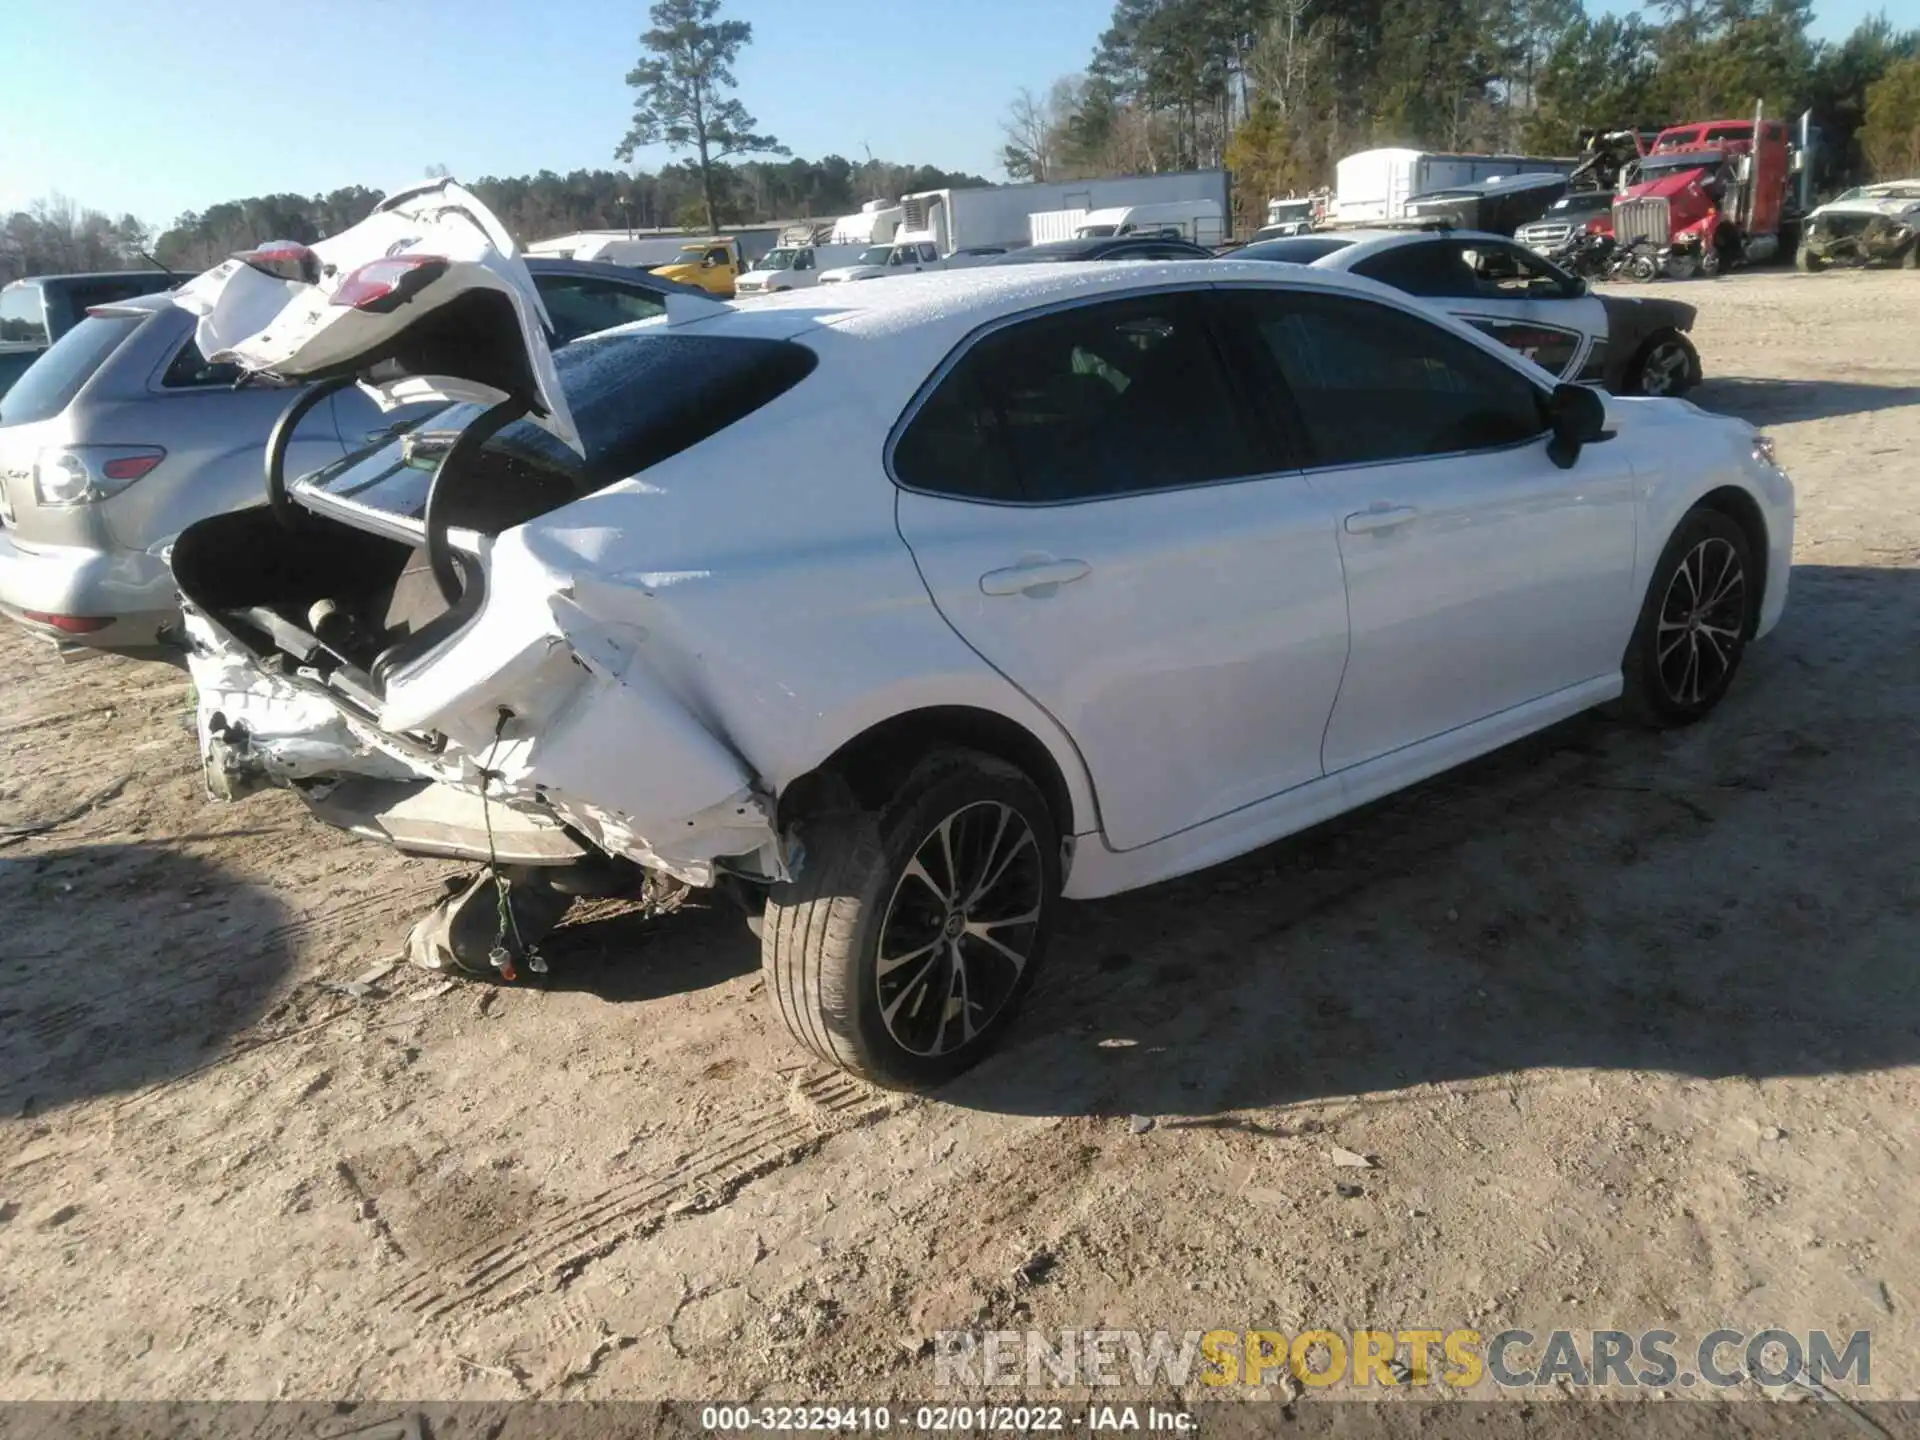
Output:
x=1577 y=416
x=1576 y=288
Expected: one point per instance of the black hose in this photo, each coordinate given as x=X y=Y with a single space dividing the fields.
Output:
x=439 y=552
x=277 y=443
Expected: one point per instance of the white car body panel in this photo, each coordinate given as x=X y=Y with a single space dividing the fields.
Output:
x=1474 y=584
x=1214 y=603
x=1237 y=661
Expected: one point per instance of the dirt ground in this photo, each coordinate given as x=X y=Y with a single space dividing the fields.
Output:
x=1630 y=1025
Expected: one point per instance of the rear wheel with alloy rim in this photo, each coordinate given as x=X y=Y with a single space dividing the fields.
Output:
x=1694 y=622
x=906 y=943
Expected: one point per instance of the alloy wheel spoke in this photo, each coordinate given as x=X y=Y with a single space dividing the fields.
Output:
x=988 y=885
x=1691 y=673
x=887 y=966
x=959 y=1002
x=916 y=986
x=916 y=871
x=983 y=878
x=1014 y=957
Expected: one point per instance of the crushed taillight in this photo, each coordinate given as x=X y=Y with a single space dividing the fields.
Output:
x=70 y=624
x=386 y=284
x=285 y=260
x=132 y=467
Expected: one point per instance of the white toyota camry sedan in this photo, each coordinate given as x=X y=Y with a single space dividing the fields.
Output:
x=903 y=611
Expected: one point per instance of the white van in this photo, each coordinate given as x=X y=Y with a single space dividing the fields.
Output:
x=793 y=267
x=1201 y=221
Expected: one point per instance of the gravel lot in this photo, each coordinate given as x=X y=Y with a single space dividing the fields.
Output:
x=1629 y=1023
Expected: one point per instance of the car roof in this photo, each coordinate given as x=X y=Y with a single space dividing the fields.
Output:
x=968 y=298
x=1087 y=247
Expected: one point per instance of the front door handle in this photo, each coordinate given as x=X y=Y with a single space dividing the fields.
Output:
x=1380 y=517
x=1038 y=578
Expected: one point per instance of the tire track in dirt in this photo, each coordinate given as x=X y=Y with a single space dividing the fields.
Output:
x=557 y=1243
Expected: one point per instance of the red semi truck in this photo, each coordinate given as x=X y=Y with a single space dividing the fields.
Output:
x=1709 y=194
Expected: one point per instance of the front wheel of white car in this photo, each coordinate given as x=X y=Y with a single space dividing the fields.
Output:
x=1694 y=623
x=911 y=934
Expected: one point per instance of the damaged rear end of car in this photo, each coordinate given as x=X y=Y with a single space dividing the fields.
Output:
x=389 y=639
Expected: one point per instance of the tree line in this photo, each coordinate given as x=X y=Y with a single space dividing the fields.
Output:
x=52 y=236
x=1278 y=90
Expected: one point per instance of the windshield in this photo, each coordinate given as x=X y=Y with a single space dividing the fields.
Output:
x=1280 y=213
x=1576 y=204
x=1094 y=232
x=776 y=260
x=55 y=378
x=877 y=255
x=1881 y=192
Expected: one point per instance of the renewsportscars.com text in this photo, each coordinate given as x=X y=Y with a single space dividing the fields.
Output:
x=1457 y=1359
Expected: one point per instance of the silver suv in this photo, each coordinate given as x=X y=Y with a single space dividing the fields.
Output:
x=122 y=434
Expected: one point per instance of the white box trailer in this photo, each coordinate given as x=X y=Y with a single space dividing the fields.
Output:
x=987 y=215
x=1200 y=221
x=1376 y=184
x=1048 y=225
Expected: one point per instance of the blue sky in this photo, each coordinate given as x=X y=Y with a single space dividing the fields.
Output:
x=158 y=106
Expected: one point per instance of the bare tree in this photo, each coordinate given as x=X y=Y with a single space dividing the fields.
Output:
x=1030 y=129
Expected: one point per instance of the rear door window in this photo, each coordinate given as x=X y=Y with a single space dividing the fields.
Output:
x=55 y=378
x=1085 y=404
x=190 y=370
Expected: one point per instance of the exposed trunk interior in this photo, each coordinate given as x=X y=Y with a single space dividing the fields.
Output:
x=349 y=605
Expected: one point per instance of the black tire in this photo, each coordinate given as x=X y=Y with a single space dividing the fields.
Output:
x=1683 y=654
x=1807 y=262
x=859 y=889
x=1911 y=259
x=1665 y=365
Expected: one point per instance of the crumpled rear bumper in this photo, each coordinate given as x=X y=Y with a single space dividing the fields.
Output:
x=562 y=727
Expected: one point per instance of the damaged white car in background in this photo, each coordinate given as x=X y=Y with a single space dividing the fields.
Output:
x=908 y=611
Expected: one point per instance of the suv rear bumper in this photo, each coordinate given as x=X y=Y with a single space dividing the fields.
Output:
x=132 y=587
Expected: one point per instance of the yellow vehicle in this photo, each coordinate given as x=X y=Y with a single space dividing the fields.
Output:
x=713 y=265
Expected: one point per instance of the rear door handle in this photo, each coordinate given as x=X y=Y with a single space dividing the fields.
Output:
x=1038 y=578
x=1380 y=517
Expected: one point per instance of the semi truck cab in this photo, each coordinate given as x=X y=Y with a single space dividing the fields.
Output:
x=1712 y=193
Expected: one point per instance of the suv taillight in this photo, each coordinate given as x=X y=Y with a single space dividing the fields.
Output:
x=83 y=474
x=384 y=285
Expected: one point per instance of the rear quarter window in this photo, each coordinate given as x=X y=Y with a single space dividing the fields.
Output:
x=637 y=398
x=55 y=378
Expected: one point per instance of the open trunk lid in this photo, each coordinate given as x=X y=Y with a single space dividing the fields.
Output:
x=427 y=299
